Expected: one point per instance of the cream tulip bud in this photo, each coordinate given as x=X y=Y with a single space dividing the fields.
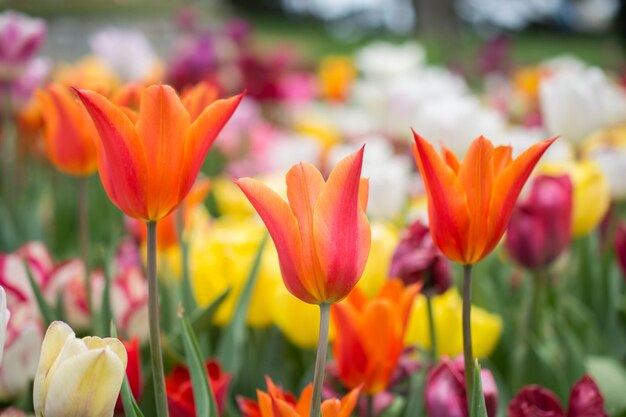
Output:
x=4 y=319
x=78 y=377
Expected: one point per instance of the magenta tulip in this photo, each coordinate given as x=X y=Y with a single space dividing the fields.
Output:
x=620 y=247
x=540 y=226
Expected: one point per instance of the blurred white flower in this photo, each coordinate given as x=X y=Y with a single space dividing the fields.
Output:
x=455 y=121
x=385 y=60
x=290 y=150
x=521 y=138
x=389 y=176
x=575 y=103
x=128 y=52
x=612 y=162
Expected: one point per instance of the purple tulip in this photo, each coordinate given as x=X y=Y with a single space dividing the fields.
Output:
x=20 y=39
x=417 y=259
x=540 y=226
x=446 y=394
x=535 y=401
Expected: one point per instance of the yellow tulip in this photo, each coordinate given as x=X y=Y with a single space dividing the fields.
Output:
x=486 y=327
x=299 y=321
x=221 y=257
x=591 y=192
x=78 y=377
x=384 y=241
x=230 y=200
x=336 y=75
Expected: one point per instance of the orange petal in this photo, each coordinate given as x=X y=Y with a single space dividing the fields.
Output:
x=476 y=177
x=364 y=193
x=348 y=402
x=447 y=205
x=381 y=358
x=450 y=159
x=342 y=232
x=162 y=126
x=199 y=97
x=502 y=157
x=265 y=404
x=304 y=183
x=304 y=403
x=507 y=187
x=68 y=136
x=348 y=350
x=202 y=134
x=331 y=408
x=283 y=228
x=283 y=409
x=122 y=162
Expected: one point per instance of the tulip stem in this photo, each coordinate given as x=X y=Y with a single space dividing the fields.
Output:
x=189 y=302
x=468 y=355
x=432 y=330
x=320 y=360
x=83 y=236
x=156 y=357
x=8 y=142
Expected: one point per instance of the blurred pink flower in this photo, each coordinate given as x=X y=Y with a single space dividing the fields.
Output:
x=20 y=39
x=129 y=302
x=446 y=394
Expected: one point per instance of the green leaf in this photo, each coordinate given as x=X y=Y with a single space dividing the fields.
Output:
x=479 y=409
x=415 y=402
x=131 y=409
x=610 y=376
x=202 y=394
x=231 y=343
x=46 y=311
x=395 y=408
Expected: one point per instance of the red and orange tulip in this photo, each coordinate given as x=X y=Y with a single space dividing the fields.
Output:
x=148 y=167
x=322 y=235
x=369 y=337
x=69 y=134
x=276 y=403
x=470 y=203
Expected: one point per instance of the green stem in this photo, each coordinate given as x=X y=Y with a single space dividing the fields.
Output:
x=524 y=324
x=468 y=355
x=8 y=142
x=432 y=330
x=156 y=357
x=370 y=405
x=83 y=236
x=320 y=360
x=189 y=302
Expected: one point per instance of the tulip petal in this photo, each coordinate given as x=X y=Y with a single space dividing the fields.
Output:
x=56 y=337
x=349 y=402
x=447 y=204
x=331 y=408
x=304 y=403
x=122 y=162
x=69 y=137
x=202 y=134
x=450 y=158
x=506 y=189
x=283 y=228
x=198 y=98
x=162 y=126
x=476 y=177
x=86 y=384
x=502 y=157
x=304 y=183
x=342 y=232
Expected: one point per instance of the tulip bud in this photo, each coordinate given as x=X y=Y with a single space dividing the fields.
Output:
x=535 y=401
x=586 y=399
x=620 y=246
x=540 y=227
x=417 y=260
x=77 y=377
x=446 y=393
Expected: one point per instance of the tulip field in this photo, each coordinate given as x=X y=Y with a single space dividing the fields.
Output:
x=226 y=230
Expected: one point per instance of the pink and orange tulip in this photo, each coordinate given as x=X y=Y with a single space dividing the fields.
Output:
x=369 y=337
x=322 y=234
x=470 y=202
x=69 y=134
x=148 y=167
x=276 y=403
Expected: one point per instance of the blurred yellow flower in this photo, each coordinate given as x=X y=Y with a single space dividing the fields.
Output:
x=384 y=241
x=486 y=327
x=299 y=321
x=591 y=192
x=230 y=200
x=319 y=129
x=89 y=73
x=336 y=74
x=221 y=257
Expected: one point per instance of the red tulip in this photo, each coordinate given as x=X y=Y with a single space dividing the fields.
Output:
x=535 y=401
x=133 y=371
x=180 y=392
x=620 y=246
x=446 y=393
x=417 y=260
x=541 y=226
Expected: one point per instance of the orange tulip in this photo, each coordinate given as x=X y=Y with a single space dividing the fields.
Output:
x=369 y=336
x=148 y=167
x=276 y=403
x=322 y=235
x=470 y=203
x=69 y=134
x=167 y=232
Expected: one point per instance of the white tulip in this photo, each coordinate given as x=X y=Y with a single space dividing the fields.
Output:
x=4 y=319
